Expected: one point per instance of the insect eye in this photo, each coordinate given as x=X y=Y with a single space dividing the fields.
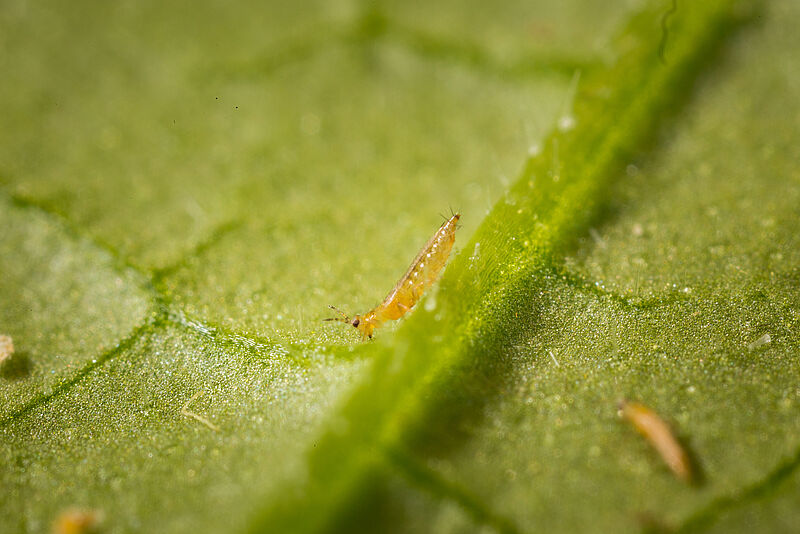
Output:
x=356 y=322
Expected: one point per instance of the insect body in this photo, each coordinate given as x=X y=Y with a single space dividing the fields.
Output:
x=420 y=276
x=659 y=434
x=77 y=521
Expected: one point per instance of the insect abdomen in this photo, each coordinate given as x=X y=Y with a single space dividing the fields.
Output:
x=422 y=273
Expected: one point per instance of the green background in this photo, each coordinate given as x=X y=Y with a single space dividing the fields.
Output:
x=186 y=187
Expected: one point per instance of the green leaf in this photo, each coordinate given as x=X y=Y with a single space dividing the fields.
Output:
x=184 y=190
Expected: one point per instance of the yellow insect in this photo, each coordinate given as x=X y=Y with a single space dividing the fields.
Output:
x=6 y=348
x=77 y=521
x=422 y=273
x=660 y=436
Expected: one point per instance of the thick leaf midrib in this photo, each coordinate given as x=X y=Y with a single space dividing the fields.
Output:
x=607 y=130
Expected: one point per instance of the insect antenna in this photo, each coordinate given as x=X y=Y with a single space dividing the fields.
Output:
x=344 y=318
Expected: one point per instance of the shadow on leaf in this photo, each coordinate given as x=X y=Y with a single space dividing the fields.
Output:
x=17 y=367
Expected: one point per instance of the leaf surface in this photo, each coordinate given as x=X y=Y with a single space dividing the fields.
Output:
x=177 y=213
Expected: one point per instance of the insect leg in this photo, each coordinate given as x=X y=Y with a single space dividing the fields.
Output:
x=344 y=318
